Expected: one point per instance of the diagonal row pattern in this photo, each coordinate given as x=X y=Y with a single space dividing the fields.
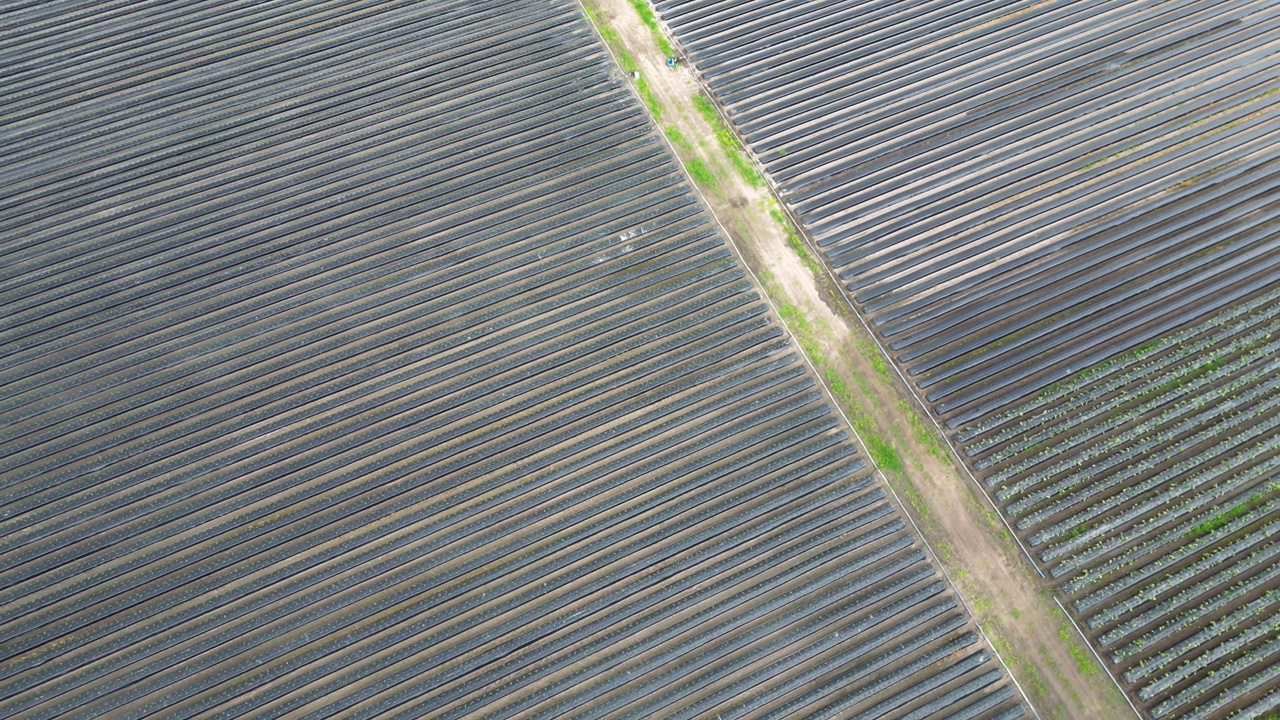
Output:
x=372 y=359
x=1012 y=192
x=1061 y=219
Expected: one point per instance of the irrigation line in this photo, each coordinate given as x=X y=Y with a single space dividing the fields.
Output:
x=1089 y=645
x=808 y=361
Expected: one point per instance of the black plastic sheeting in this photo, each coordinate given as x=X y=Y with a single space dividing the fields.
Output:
x=1149 y=487
x=1012 y=191
x=1061 y=220
x=372 y=359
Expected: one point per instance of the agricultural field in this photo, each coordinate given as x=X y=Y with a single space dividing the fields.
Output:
x=1059 y=219
x=370 y=359
x=1148 y=487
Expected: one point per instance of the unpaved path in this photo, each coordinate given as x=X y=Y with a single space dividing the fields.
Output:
x=1012 y=604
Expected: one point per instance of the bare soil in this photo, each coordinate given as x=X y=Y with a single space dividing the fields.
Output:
x=1010 y=602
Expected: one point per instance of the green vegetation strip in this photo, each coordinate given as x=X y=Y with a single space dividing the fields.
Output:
x=702 y=175
x=728 y=141
x=698 y=168
x=881 y=450
x=628 y=63
x=1084 y=663
x=795 y=243
x=651 y=21
x=807 y=334
x=922 y=432
x=1208 y=526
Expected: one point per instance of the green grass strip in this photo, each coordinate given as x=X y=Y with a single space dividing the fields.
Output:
x=881 y=450
x=651 y=21
x=702 y=174
x=628 y=63
x=728 y=142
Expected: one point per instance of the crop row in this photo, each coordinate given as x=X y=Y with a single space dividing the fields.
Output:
x=1202 y=554
x=1255 y=669
x=1069 y=249
x=1076 y=530
x=1265 y=605
x=1154 y=498
x=1179 y=392
x=1159 y=437
x=1107 y=384
x=368 y=358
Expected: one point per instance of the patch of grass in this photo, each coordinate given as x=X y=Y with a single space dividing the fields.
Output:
x=744 y=168
x=923 y=433
x=1079 y=530
x=1221 y=519
x=611 y=36
x=796 y=318
x=880 y=366
x=1002 y=646
x=865 y=388
x=625 y=60
x=917 y=502
x=882 y=452
x=651 y=21
x=1212 y=523
x=1031 y=678
x=1217 y=521
x=1145 y=348
x=649 y=99
x=706 y=108
x=799 y=324
x=1170 y=385
x=702 y=174
x=945 y=553
x=677 y=138
x=795 y=243
x=992 y=520
x=982 y=606
x=728 y=142
x=1084 y=663
x=1027 y=672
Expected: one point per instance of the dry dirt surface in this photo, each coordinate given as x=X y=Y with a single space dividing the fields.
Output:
x=1012 y=604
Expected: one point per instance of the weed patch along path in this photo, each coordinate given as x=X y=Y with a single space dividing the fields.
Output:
x=1014 y=606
